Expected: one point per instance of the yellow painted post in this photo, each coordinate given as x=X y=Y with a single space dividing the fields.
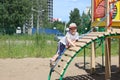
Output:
x=117 y=17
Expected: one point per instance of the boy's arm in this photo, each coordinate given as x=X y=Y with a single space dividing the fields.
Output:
x=71 y=42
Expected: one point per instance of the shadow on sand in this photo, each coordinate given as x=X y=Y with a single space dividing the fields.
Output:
x=99 y=73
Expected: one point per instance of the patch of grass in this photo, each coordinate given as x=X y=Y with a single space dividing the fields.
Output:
x=100 y=49
x=21 y=46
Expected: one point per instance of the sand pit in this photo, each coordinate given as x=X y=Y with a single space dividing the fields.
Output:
x=38 y=69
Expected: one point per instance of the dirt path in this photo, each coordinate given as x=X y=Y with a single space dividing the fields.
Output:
x=38 y=69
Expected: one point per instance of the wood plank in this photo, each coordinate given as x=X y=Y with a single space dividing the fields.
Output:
x=90 y=37
x=100 y=33
x=74 y=48
x=58 y=70
x=116 y=30
x=97 y=35
x=61 y=64
x=84 y=40
x=65 y=58
x=69 y=53
x=79 y=44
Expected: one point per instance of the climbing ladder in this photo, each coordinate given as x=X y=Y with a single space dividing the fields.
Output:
x=71 y=53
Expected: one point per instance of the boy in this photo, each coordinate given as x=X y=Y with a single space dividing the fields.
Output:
x=70 y=38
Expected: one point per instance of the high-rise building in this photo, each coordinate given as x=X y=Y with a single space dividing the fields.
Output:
x=50 y=10
x=87 y=10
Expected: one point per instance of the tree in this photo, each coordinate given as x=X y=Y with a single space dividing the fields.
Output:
x=40 y=5
x=75 y=18
x=59 y=25
x=85 y=22
x=14 y=13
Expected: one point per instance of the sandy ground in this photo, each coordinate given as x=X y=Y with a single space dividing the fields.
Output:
x=38 y=69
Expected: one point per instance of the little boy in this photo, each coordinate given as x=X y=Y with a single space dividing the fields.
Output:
x=69 y=40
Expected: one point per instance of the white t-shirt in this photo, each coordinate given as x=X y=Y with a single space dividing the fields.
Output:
x=70 y=36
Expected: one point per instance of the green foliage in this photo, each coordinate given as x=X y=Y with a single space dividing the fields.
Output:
x=40 y=5
x=75 y=18
x=18 y=12
x=59 y=25
x=14 y=13
x=85 y=23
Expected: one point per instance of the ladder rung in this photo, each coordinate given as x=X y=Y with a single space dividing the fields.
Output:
x=74 y=48
x=90 y=37
x=92 y=34
x=61 y=63
x=84 y=40
x=115 y=30
x=65 y=58
x=80 y=44
x=69 y=53
x=100 y=33
x=58 y=70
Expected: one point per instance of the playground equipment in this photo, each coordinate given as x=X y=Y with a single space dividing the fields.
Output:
x=72 y=52
x=104 y=19
x=105 y=10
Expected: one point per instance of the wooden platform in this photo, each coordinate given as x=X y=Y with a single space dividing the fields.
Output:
x=103 y=23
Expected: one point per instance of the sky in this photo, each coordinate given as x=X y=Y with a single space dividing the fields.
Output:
x=62 y=8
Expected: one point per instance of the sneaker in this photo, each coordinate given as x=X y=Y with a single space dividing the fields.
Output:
x=52 y=63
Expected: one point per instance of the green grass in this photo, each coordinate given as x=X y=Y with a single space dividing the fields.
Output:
x=101 y=50
x=21 y=46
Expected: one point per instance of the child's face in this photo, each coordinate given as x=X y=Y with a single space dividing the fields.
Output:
x=73 y=31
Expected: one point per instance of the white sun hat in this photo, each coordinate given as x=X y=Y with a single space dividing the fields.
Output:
x=72 y=25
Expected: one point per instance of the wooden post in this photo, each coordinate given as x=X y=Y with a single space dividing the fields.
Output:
x=107 y=44
x=84 y=59
x=108 y=15
x=119 y=55
x=92 y=65
x=92 y=11
x=93 y=58
x=107 y=60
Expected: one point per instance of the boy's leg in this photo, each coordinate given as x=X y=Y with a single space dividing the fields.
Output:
x=60 y=50
x=53 y=60
x=54 y=57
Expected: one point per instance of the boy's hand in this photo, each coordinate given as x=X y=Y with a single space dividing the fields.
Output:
x=67 y=46
x=74 y=45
